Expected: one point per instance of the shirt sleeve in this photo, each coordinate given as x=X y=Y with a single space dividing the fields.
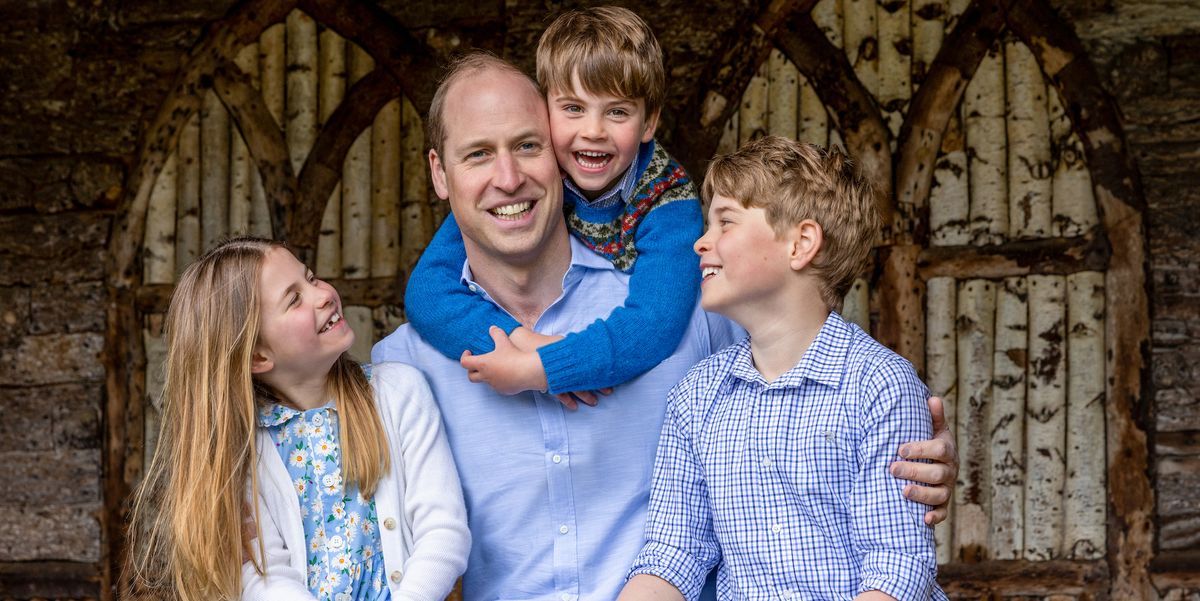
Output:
x=638 y=335
x=444 y=312
x=681 y=546
x=888 y=530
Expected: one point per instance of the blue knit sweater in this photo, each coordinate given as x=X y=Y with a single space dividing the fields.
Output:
x=650 y=236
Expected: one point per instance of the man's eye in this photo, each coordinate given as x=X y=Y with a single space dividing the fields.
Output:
x=528 y=147
x=474 y=156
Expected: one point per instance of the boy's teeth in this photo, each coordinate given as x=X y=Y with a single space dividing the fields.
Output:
x=707 y=271
x=592 y=160
x=512 y=211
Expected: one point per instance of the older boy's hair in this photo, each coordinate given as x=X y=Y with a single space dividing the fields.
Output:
x=467 y=64
x=612 y=49
x=794 y=181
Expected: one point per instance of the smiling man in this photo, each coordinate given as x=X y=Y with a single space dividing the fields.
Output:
x=556 y=499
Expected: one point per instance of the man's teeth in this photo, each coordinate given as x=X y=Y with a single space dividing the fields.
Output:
x=332 y=322
x=513 y=211
x=591 y=159
x=707 y=271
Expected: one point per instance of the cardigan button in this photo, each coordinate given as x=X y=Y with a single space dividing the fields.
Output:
x=396 y=576
x=389 y=523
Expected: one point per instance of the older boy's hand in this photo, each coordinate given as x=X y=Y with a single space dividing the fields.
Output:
x=507 y=369
x=940 y=475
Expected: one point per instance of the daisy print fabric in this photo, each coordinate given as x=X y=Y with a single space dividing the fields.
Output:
x=344 y=560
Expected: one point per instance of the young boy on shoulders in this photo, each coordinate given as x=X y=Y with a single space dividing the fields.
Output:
x=773 y=460
x=625 y=198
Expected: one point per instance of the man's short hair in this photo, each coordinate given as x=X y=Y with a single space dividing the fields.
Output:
x=793 y=181
x=612 y=49
x=462 y=66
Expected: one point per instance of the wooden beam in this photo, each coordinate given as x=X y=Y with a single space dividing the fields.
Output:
x=50 y=580
x=1001 y=579
x=367 y=292
x=1058 y=256
x=1121 y=206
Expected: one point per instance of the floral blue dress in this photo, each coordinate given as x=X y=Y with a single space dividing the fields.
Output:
x=345 y=562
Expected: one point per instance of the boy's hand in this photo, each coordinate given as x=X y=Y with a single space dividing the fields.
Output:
x=507 y=369
x=939 y=475
x=587 y=397
x=529 y=340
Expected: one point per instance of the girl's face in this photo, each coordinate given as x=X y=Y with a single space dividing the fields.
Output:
x=301 y=330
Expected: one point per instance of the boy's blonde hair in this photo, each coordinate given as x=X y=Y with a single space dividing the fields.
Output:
x=462 y=66
x=794 y=181
x=612 y=49
x=186 y=535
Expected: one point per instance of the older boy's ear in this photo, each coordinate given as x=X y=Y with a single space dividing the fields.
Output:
x=261 y=362
x=437 y=173
x=806 y=239
x=651 y=126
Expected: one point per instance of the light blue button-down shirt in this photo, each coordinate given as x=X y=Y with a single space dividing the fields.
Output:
x=556 y=499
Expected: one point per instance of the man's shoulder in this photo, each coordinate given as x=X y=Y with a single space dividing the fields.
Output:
x=704 y=379
x=399 y=346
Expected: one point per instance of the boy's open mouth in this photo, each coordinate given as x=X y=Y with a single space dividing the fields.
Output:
x=512 y=212
x=709 y=271
x=592 y=160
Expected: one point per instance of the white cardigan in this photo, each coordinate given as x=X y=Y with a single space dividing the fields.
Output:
x=419 y=503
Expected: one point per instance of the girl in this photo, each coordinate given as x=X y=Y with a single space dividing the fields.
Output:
x=355 y=493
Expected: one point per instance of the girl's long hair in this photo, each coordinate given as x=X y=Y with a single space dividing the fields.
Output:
x=187 y=538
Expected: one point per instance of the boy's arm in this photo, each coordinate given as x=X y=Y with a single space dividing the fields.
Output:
x=647 y=329
x=644 y=587
x=445 y=313
x=888 y=531
x=681 y=546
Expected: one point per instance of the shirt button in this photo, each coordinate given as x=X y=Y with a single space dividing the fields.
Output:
x=776 y=528
x=396 y=576
x=556 y=459
x=767 y=462
x=565 y=597
x=473 y=287
x=563 y=529
x=389 y=523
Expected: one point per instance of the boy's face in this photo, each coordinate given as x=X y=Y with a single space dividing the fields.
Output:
x=596 y=136
x=742 y=262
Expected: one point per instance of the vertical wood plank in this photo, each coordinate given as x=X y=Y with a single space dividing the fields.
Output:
x=415 y=216
x=301 y=97
x=861 y=45
x=359 y=320
x=1006 y=422
x=1028 y=130
x=782 y=95
x=1074 y=202
x=331 y=88
x=385 y=191
x=984 y=124
x=827 y=14
x=241 y=167
x=272 y=61
x=895 y=62
x=928 y=30
x=729 y=136
x=1045 y=417
x=753 y=114
x=950 y=193
x=941 y=371
x=356 y=186
x=1084 y=509
x=856 y=306
x=187 y=216
x=158 y=263
x=214 y=171
x=814 y=120
x=975 y=347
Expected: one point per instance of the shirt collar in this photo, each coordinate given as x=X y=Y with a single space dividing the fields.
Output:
x=620 y=193
x=271 y=415
x=824 y=361
x=582 y=257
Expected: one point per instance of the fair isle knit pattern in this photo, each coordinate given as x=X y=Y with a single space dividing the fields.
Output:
x=664 y=181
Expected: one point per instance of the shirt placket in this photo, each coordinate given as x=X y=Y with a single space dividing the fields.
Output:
x=562 y=501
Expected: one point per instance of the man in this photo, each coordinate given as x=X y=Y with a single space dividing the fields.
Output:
x=556 y=499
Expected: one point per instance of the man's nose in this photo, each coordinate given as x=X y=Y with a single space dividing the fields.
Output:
x=508 y=176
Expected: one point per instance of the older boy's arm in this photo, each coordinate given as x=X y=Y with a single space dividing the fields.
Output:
x=645 y=587
x=940 y=475
x=888 y=530
x=874 y=596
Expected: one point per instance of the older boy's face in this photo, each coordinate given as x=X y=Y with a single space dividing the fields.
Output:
x=596 y=136
x=497 y=168
x=742 y=262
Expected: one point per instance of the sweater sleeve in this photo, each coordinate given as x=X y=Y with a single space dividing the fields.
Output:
x=280 y=581
x=445 y=313
x=647 y=329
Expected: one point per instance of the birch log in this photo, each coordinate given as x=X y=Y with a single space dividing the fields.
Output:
x=753 y=113
x=856 y=306
x=976 y=329
x=332 y=87
x=895 y=62
x=729 y=136
x=241 y=167
x=273 y=84
x=416 y=221
x=155 y=347
x=301 y=96
x=158 y=263
x=954 y=9
x=385 y=191
x=782 y=95
x=859 y=37
x=214 y=171
x=1006 y=424
x=386 y=319
x=356 y=186
x=1084 y=508
x=187 y=220
x=984 y=124
x=359 y=319
x=827 y=14
x=950 y=194
x=928 y=30
x=1074 y=204
x=1029 y=174
x=814 y=121
x=941 y=370
x=1045 y=423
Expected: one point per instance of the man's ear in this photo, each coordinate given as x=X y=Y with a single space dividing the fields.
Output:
x=651 y=126
x=806 y=239
x=438 y=173
x=261 y=362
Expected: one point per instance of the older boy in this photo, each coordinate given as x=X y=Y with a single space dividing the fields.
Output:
x=625 y=198
x=773 y=458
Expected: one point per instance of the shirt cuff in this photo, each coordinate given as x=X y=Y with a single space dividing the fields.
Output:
x=897 y=574
x=677 y=567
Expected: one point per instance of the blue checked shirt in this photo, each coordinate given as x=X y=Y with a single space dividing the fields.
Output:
x=786 y=485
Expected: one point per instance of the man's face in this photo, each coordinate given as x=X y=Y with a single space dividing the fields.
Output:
x=497 y=166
